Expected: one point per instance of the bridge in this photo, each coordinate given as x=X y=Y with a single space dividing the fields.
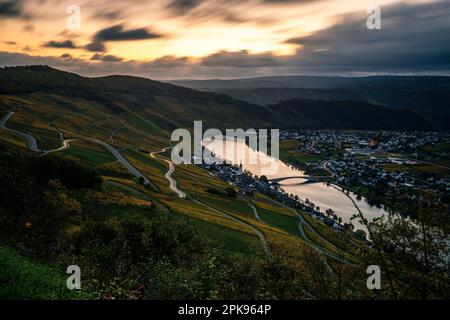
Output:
x=309 y=178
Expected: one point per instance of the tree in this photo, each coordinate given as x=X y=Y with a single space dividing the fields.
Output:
x=264 y=179
x=231 y=192
x=414 y=254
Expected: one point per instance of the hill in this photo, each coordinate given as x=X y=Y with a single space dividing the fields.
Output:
x=347 y=115
x=166 y=106
x=158 y=108
x=428 y=94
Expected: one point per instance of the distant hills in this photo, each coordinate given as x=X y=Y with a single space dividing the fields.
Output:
x=347 y=114
x=316 y=82
x=168 y=106
x=421 y=93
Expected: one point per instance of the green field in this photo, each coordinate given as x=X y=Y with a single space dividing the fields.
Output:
x=290 y=154
x=22 y=278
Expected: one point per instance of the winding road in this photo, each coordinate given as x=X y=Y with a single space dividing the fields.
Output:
x=131 y=169
x=302 y=222
x=114 y=132
x=255 y=211
x=182 y=195
x=168 y=175
x=31 y=141
x=32 y=145
x=51 y=125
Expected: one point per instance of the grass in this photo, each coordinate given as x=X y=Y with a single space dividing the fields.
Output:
x=334 y=237
x=88 y=154
x=290 y=154
x=280 y=221
x=23 y=279
x=226 y=238
x=422 y=168
x=232 y=205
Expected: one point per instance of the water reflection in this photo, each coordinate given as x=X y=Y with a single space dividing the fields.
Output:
x=322 y=195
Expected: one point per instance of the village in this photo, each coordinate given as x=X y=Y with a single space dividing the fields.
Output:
x=389 y=169
x=380 y=165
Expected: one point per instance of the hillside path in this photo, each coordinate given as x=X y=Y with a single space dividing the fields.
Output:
x=31 y=141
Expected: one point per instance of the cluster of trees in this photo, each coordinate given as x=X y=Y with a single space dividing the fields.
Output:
x=413 y=254
x=34 y=203
x=229 y=191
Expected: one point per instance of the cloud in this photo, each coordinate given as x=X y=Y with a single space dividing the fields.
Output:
x=95 y=47
x=106 y=58
x=66 y=56
x=108 y=14
x=242 y=59
x=10 y=8
x=14 y=9
x=117 y=33
x=67 y=44
x=184 y=4
x=412 y=37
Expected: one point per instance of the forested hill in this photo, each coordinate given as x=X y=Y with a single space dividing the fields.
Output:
x=426 y=94
x=169 y=106
x=348 y=115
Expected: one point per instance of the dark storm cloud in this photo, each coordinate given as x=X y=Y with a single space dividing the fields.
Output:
x=412 y=37
x=67 y=44
x=95 y=47
x=118 y=33
x=10 y=8
x=190 y=4
x=13 y=9
x=184 y=4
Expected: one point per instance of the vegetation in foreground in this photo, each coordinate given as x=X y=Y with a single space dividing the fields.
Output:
x=153 y=255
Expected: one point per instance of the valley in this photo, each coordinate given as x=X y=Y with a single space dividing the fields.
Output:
x=96 y=150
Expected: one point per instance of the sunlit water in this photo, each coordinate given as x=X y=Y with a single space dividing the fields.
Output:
x=322 y=195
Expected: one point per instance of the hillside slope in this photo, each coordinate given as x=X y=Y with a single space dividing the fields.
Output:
x=167 y=106
x=159 y=108
x=427 y=94
x=347 y=115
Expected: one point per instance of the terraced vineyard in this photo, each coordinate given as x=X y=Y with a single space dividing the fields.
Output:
x=119 y=145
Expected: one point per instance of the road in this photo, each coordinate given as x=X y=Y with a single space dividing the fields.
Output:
x=112 y=150
x=255 y=211
x=302 y=222
x=32 y=145
x=31 y=141
x=168 y=175
x=51 y=125
x=181 y=194
x=65 y=145
x=325 y=167
x=113 y=133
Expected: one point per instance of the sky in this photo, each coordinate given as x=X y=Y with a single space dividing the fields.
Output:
x=204 y=39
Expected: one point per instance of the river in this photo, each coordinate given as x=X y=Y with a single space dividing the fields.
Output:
x=322 y=195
